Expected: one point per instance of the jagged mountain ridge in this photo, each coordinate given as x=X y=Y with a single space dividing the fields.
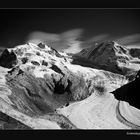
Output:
x=107 y=55
x=37 y=80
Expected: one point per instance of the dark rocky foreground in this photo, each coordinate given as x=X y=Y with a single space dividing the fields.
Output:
x=129 y=92
x=9 y=123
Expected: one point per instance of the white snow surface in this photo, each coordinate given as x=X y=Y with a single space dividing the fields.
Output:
x=95 y=112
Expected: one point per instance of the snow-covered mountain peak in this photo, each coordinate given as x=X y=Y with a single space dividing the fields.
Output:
x=31 y=57
x=37 y=80
x=44 y=62
x=108 y=55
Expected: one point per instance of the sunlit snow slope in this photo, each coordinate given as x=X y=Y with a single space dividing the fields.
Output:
x=41 y=88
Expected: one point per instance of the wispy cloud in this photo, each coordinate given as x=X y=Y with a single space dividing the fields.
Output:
x=97 y=38
x=75 y=47
x=71 y=34
x=129 y=39
x=68 y=40
x=37 y=37
x=134 y=45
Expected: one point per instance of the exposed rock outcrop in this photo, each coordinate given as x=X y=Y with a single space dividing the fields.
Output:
x=108 y=56
x=41 y=83
x=8 y=59
x=38 y=96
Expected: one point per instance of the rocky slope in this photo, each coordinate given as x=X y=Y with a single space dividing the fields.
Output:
x=8 y=123
x=39 y=86
x=135 y=52
x=108 y=56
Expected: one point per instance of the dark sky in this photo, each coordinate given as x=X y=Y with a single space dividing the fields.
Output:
x=16 y=24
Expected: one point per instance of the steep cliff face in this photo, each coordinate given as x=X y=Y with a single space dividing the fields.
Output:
x=108 y=56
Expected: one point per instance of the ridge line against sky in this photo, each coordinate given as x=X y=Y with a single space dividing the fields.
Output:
x=69 y=26
x=70 y=40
